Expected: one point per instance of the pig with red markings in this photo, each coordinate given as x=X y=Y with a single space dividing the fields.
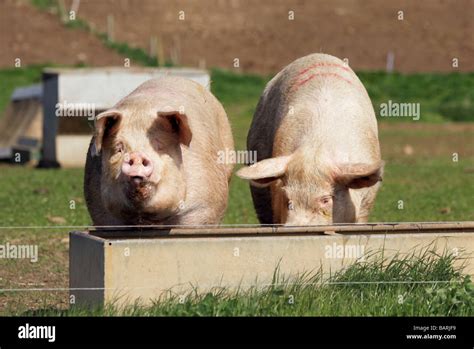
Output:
x=316 y=139
x=153 y=157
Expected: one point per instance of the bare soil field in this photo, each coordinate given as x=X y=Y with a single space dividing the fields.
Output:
x=213 y=33
x=38 y=37
x=260 y=34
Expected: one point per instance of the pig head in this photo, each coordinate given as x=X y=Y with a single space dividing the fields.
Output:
x=306 y=191
x=142 y=171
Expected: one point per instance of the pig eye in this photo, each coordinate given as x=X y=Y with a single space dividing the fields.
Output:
x=325 y=200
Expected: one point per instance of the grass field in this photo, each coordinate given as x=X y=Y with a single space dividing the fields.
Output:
x=367 y=288
x=422 y=183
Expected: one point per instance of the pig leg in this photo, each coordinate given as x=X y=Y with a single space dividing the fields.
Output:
x=262 y=199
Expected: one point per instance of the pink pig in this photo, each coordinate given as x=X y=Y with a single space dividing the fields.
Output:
x=153 y=157
x=315 y=134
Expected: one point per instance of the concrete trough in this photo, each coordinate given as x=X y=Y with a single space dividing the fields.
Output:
x=129 y=264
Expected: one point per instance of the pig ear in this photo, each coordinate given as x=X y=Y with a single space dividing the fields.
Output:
x=263 y=173
x=359 y=175
x=105 y=124
x=177 y=123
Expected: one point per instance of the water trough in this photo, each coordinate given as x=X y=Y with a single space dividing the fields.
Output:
x=126 y=264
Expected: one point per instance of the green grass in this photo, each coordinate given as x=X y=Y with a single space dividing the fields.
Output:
x=431 y=191
x=442 y=97
x=426 y=185
x=376 y=286
x=30 y=196
x=431 y=185
x=45 y=4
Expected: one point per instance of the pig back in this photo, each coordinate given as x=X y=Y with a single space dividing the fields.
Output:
x=317 y=102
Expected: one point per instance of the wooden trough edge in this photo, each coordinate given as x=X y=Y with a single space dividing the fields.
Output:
x=222 y=231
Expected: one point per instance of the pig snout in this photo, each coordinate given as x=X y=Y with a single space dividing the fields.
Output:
x=137 y=167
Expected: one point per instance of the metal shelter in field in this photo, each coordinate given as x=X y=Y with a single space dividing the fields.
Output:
x=21 y=125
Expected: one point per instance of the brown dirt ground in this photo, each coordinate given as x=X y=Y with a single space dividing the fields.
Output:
x=49 y=272
x=37 y=37
x=258 y=32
